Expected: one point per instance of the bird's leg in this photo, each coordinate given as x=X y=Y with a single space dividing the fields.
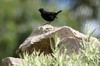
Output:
x=47 y=23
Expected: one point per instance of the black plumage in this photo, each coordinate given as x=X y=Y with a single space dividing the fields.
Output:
x=49 y=16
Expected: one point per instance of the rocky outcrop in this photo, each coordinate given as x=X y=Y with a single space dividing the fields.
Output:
x=40 y=39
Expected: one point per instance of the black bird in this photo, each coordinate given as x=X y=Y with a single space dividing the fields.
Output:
x=49 y=16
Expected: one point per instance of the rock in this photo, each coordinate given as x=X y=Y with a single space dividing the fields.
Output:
x=40 y=39
x=71 y=44
x=11 y=61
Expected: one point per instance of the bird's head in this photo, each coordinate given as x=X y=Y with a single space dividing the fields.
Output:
x=41 y=10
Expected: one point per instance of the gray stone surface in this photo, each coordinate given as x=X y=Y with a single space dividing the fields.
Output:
x=40 y=39
x=11 y=61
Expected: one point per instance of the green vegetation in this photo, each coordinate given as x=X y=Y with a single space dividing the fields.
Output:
x=89 y=56
x=19 y=17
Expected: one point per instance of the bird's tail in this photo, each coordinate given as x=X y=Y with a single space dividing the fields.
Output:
x=59 y=12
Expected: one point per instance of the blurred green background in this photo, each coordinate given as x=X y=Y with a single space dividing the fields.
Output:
x=19 y=17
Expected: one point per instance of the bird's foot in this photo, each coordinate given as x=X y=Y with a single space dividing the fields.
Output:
x=47 y=23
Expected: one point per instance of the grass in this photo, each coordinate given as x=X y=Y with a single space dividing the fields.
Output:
x=89 y=56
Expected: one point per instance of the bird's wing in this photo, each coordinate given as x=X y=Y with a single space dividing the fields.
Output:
x=50 y=13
